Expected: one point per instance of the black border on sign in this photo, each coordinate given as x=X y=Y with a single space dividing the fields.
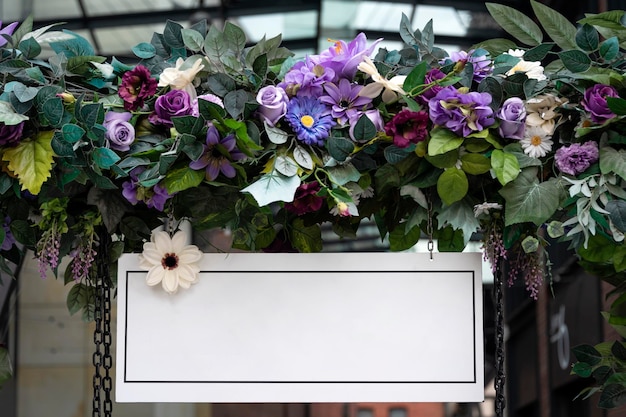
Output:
x=472 y=272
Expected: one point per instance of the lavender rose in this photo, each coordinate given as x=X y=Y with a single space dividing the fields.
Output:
x=512 y=117
x=172 y=104
x=576 y=158
x=120 y=133
x=273 y=103
x=10 y=135
x=594 y=101
x=195 y=110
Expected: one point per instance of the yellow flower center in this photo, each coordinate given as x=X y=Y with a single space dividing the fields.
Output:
x=307 y=121
x=536 y=140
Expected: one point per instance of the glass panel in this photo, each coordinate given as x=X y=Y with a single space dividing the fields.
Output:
x=397 y=412
x=364 y=412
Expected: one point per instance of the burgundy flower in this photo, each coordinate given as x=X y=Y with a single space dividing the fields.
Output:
x=10 y=135
x=594 y=101
x=306 y=199
x=136 y=87
x=407 y=127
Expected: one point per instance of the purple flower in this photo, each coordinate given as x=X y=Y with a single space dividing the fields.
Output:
x=512 y=117
x=478 y=58
x=408 y=127
x=120 y=133
x=372 y=114
x=462 y=113
x=195 y=110
x=344 y=58
x=9 y=239
x=136 y=87
x=344 y=100
x=310 y=120
x=272 y=103
x=171 y=104
x=594 y=101
x=576 y=158
x=7 y=30
x=217 y=156
x=432 y=76
x=306 y=199
x=134 y=192
x=306 y=78
x=10 y=135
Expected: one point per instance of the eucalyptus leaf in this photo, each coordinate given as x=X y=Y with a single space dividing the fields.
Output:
x=613 y=161
x=144 y=50
x=617 y=210
x=516 y=23
x=192 y=39
x=587 y=38
x=557 y=26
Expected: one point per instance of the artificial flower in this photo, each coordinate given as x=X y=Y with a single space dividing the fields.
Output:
x=407 y=127
x=344 y=100
x=178 y=78
x=212 y=98
x=462 y=113
x=307 y=78
x=343 y=58
x=170 y=261
x=390 y=88
x=484 y=208
x=536 y=143
x=594 y=101
x=137 y=86
x=482 y=66
x=119 y=132
x=577 y=157
x=541 y=111
x=11 y=135
x=171 y=104
x=306 y=199
x=217 y=155
x=272 y=103
x=7 y=30
x=310 y=119
x=532 y=69
x=512 y=117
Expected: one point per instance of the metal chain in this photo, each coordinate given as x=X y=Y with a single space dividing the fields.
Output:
x=429 y=227
x=102 y=335
x=499 y=322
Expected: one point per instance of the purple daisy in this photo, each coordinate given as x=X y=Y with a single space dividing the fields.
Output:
x=217 y=156
x=344 y=100
x=310 y=119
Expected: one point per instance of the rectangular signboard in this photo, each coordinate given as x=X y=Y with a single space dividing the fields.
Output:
x=324 y=327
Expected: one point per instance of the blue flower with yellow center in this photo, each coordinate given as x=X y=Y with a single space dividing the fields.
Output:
x=310 y=120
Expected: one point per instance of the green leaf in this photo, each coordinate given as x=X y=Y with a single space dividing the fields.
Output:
x=339 y=148
x=234 y=37
x=613 y=161
x=610 y=20
x=416 y=77
x=172 y=35
x=557 y=26
x=53 y=111
x=505 y=166
x=619 y=351
x=582 y=369
x=343 y=174
x=612 y=396
x=587 y=354
x=460 y=215
x=77 y=298
x=528 y=200
x=516 y=23
x=90 y=114
x=273 y=187
x=587 y=38
x=104 y=157
x=450 y=240
x=31 y=160
x=182 y=178
x=214 y=45
x=77 y=46
x=235 y=101
x=575 y=60
x=617 y=213
x=617 y=105
x=539 y=52
x=193 y=40
x=442 y=141
x=72 y=133
x=144 y=50
x=364 y=130
x=452 y=185
x=112 y=206
x=6 y=370
x=306 y=239
x=475 y=163
x=609 y=48
x=8 y=116
x=400 y=239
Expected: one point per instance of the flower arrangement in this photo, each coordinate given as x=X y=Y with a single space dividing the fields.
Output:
x=521 y=140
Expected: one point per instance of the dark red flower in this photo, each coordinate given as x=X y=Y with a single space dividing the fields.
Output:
x=407 y=127
x=10 y=135
x=306 y=199
x=137 y=85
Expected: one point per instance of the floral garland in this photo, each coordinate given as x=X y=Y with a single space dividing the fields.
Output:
x=522 y=141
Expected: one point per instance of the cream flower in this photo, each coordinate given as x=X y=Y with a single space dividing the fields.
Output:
x=532 y=69
x=536 y=142
x=179 y=79
x=541 y=112
x=170 y=261
x=388 y=87
x=483 y=208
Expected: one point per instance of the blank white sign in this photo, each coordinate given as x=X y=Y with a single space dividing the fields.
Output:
x=325 y=327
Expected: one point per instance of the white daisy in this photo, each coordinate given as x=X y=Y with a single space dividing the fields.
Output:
x=532 y=69
x=536 y=142
x=170 y=261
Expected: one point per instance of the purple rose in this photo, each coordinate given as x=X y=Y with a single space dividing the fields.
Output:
x=576 y=158
x=10 y=135
x=594 y=101
x=512 y=117
x=432 y=76
x=462 y=113
x=172 y=104
x=120 y=133
x=273 y=103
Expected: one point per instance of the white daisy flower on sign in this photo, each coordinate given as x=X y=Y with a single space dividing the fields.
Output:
x=536 y=142
x=170 y=261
